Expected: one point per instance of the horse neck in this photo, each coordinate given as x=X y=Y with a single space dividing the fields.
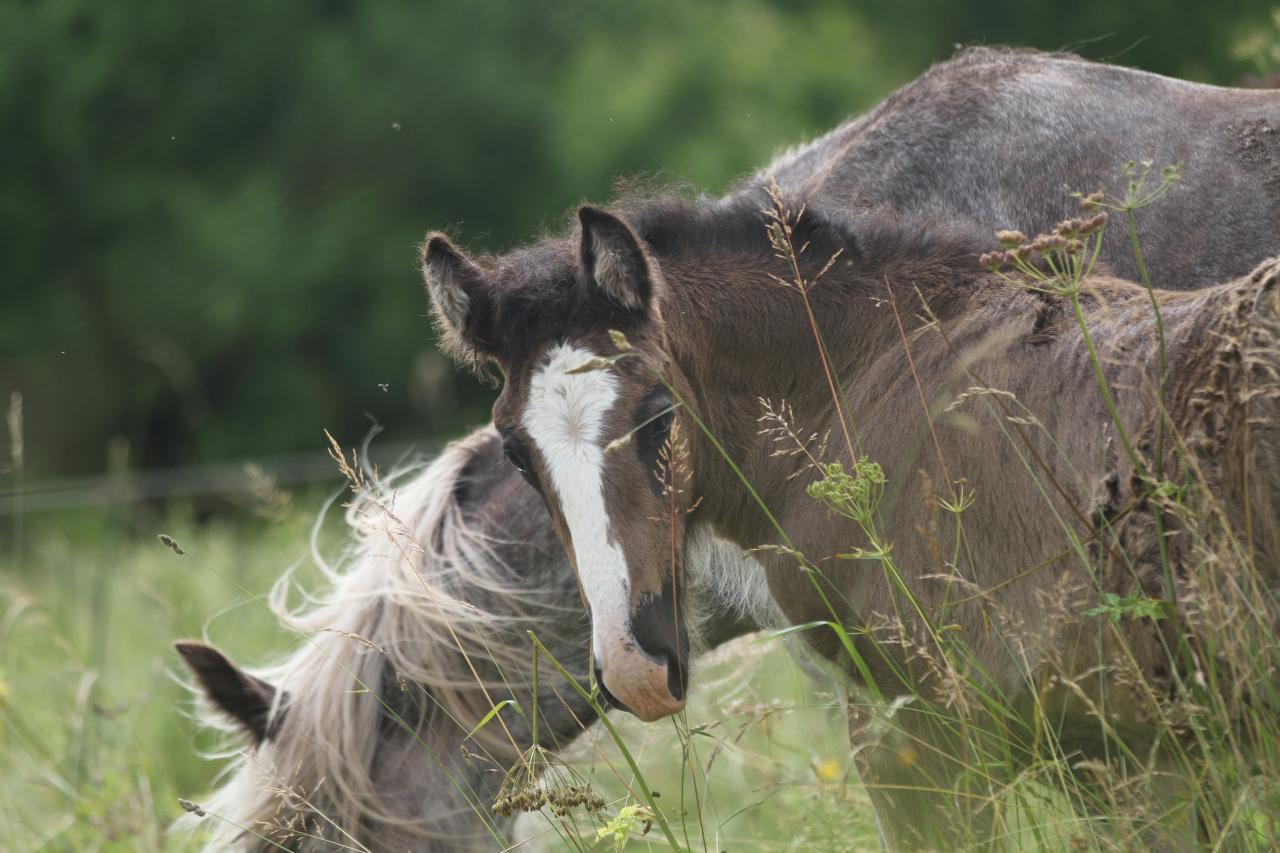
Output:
x=740 y=336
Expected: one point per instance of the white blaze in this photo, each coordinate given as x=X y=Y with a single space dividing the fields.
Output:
x=565 y=418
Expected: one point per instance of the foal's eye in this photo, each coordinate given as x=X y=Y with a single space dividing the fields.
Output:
x=515 y=455
x=660 y=427
x=651 y=437
x=655 y=416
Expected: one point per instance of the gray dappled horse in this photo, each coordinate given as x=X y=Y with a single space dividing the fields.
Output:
x=896 y=197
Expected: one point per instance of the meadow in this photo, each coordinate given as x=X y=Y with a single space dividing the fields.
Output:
x=100 y=744
x=99 y=737
x=102 y=751
x=99 y=741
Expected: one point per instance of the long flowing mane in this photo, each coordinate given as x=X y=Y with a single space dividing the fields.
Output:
x=422 y=612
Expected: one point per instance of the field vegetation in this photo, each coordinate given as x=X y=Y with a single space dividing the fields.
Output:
x=174 y=264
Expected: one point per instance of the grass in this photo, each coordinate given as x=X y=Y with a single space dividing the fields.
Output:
x=96 y=744
x=777 y=749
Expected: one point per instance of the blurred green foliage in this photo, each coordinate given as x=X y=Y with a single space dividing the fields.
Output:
x=95 y=743
x=210 y=210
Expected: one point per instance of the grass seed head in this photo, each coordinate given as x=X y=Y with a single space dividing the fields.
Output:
x=169 y=542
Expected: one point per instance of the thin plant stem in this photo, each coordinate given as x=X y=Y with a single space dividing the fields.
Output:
x=589 y=697
x=1103 y=385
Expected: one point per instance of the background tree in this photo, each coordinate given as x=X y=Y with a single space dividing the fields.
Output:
x=210 y=209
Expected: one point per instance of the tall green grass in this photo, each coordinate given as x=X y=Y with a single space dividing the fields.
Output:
x=97 y=745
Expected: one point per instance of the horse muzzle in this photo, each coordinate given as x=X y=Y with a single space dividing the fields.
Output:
x=645 y=669
x=633 y=681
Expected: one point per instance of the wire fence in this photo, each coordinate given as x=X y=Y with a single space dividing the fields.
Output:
x=222 y=479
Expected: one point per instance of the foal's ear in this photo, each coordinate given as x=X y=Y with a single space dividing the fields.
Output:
x=242 y=697
x=456 y=286
x=613 y=260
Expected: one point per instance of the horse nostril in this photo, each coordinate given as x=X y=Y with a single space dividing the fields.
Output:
x=673 y=653
x=660 y=634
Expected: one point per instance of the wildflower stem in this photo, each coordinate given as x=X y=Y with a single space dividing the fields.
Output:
x=1103 y=385
x=836 y=396
x=786 y=244
x=534 y=734
x=1131 y=226
x=589 y=697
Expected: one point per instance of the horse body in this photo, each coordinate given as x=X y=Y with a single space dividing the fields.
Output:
x=994 y=137
x=992 y=342
x=1060 y=517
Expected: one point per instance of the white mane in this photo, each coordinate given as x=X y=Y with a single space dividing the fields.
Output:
x=391 y=616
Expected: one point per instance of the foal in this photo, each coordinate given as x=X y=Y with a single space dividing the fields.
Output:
x=640 y=356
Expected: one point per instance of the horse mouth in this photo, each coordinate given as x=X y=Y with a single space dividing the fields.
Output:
x=647 y=685
x=677 y=688
x=607 y=700
x=678 y=678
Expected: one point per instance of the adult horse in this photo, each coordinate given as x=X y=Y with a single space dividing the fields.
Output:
x=359 y=739
x=693 y=287
x=998 y=137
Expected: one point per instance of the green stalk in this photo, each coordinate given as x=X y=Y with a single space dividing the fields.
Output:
x=535 y=698
x=1110 y=402
x=589 y=697
x=1131 y=226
